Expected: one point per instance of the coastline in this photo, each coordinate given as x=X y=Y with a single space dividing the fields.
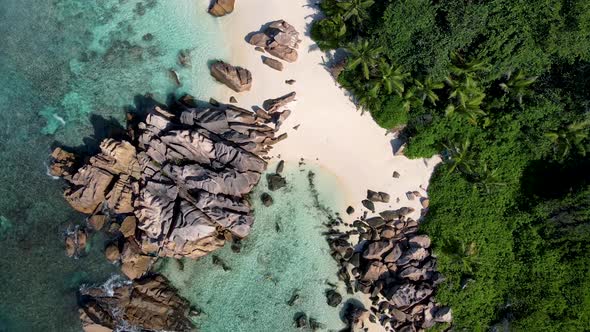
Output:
x=332 y=132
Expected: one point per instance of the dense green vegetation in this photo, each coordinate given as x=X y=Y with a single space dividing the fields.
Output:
x=501 y=90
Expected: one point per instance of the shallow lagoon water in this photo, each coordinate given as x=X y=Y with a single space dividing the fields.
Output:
x=68 y=71
x=285 y=253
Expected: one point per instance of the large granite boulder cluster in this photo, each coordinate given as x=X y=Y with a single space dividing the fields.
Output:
x=180 y=179
x=176 y=186
x=384 y=257
x=280 y=39
x=149 y=303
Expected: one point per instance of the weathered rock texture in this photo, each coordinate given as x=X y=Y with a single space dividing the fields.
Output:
x=147 y=304
x=394 y=265
x=279 y=39
x=222 y=7
x=178 y=191
x=174 y=187
x=236 y=78
x=272 y=63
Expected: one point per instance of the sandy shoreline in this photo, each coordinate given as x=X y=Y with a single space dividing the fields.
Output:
x=331 y=130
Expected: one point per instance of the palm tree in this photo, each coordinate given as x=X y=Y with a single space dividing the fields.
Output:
x=488 y=180
x=364 y=55
x=570 y=137
x=517 y=84
x=467 y=97
x=410 y=99
x=460 y=66
x=460 y=158
x=461 y=255
x=426 y=89
x=355 y=10
x=391 y=77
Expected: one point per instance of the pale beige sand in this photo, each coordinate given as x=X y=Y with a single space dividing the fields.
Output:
x=332 y=131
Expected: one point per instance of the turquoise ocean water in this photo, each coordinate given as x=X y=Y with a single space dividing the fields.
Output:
x=68 y=70
x=285 y=254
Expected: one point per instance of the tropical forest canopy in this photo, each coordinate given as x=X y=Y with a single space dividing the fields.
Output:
x=501 y=90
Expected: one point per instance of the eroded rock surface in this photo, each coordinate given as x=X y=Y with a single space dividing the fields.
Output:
x=236 y=78
x=392 y=265
x=178 y=190
x=147 y=304
x=279 y=39
x=222 y=7
x=174 y=186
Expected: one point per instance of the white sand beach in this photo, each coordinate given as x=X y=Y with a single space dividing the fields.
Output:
x=331 y=130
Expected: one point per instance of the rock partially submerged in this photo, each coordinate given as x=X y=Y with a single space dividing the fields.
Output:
x=394 y=266
x=222 y=7
x=236 y=78
x=279 y=39
x=75 y=241
x=147 y=304
x=179 y=192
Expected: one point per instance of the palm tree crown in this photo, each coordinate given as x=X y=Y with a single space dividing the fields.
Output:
x=364 y=55
x=391 y=77
x=572 y=136
x=355 y=10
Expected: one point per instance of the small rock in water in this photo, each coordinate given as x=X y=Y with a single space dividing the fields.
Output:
x=147 y=37
x=396 y=175
x=233 y=100
x=112 y=253
x=259 y=49
x=410 y=195
x=277 y=227
x=184 y=58
x=290 y=82
x=425 y=203
x=236 y=246
x=266 y=199
x=300 y=320
x=219 y=262
x=315 y=325
x=350 y=210
x=294 y=298
x=222 y=7
x=280 y=167
x=275 y=181
x=333 y=298
x=296 y=127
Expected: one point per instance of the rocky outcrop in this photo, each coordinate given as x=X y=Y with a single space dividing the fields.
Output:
x=174 y=187
x=385 y=258
x=236 y=78
x=222 y=7
x=279 y=39
x=178 y=191
x=147 y=304
x=75 y=241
